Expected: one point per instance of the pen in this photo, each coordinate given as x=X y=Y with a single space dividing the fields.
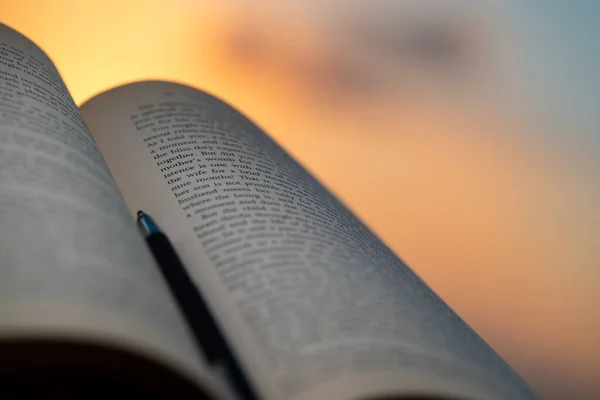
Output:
x=192 y=304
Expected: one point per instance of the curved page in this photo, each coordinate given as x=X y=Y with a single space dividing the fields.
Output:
x=313 y=303
x=73 y=267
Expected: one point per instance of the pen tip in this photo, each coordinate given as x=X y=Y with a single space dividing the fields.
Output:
x=146 y=224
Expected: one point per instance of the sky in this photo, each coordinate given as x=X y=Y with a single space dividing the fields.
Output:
x=465 y=133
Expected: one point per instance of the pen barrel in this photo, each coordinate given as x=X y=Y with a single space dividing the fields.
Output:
x=196 y=311
x=187 y=295
x=165 y=255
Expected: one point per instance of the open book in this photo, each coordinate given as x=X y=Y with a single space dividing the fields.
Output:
x=311 y=304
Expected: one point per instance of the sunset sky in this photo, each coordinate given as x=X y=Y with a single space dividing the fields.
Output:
x=466 y=134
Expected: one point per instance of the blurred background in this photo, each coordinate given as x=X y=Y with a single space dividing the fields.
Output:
x=465 y=133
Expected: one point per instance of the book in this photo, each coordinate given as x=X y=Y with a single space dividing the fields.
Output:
x=310 y=302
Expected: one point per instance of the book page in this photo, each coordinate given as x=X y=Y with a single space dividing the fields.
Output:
x=314 y=305
x=73 y=264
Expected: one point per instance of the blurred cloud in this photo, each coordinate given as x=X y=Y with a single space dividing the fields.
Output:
x=370 y=55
